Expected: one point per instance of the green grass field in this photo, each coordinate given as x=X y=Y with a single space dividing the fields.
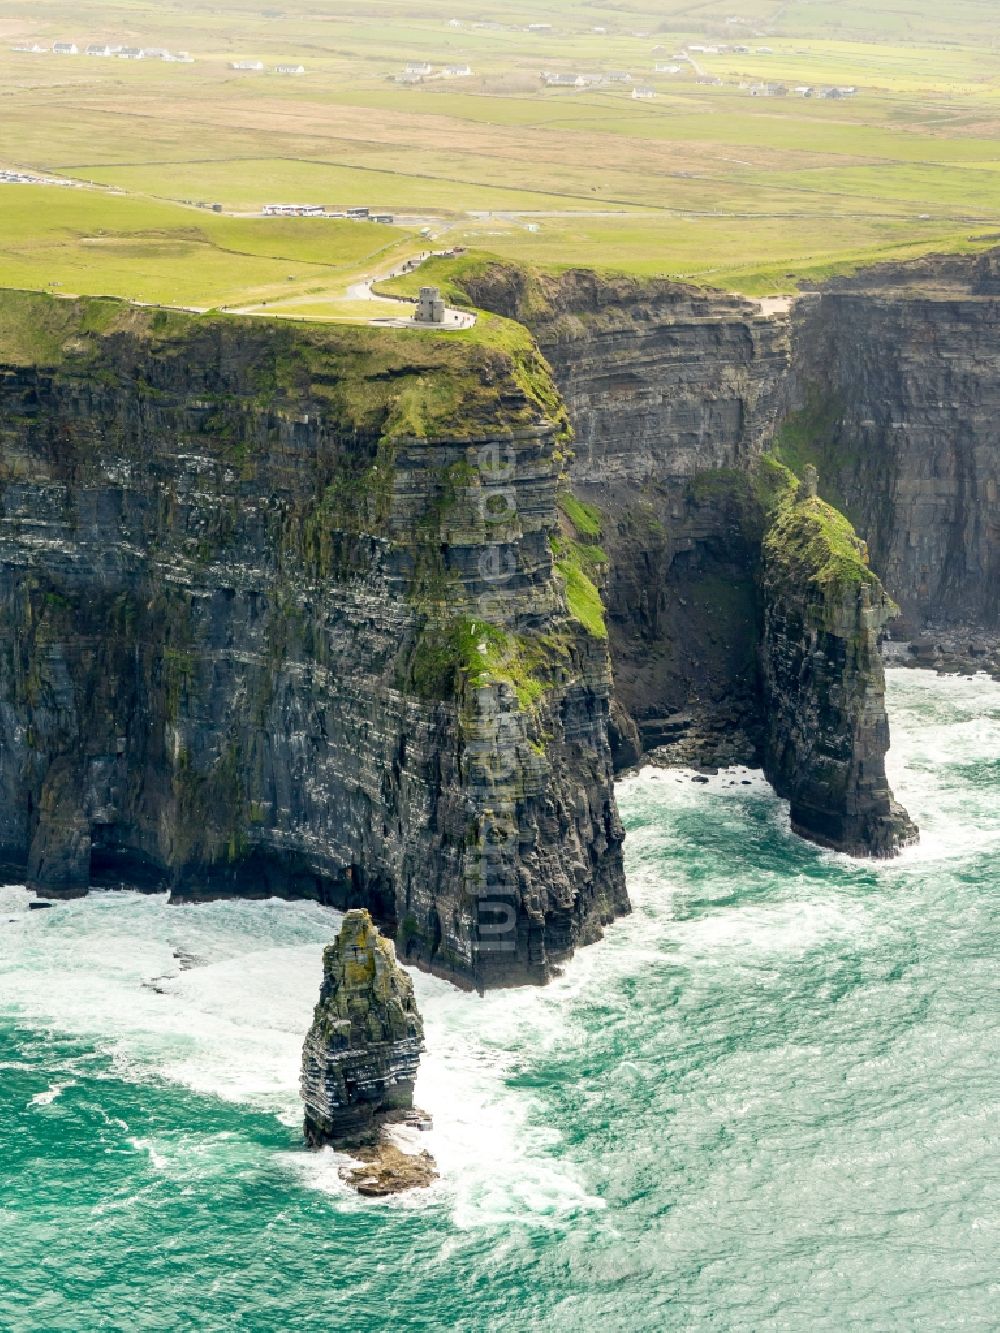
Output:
x=89 y=243
x=705 y=182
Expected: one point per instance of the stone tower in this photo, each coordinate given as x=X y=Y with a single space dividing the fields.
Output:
x=430 y=307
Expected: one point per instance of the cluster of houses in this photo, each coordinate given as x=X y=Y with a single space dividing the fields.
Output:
x=9 y=176
x=107 y=51
x=640 y=93
x=258 y=67
x=420 y=71
x=358 y=214
x=803 y=90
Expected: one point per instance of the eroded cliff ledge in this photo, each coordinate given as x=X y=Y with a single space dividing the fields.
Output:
x=280 y=613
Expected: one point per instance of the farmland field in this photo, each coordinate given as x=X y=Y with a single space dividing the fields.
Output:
x=704 y=181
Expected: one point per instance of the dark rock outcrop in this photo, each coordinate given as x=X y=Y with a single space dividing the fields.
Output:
x=362 y=1052
x=280 y=614
x=826 y=728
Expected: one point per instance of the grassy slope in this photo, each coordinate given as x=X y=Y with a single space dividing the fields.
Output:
x=705 y=183
x=90 y=243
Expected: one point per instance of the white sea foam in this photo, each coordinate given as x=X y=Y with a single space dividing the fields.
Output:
x=105 y=968
x=109 y=969
x=51 y=1094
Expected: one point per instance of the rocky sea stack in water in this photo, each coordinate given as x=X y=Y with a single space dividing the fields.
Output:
x=361 y=1056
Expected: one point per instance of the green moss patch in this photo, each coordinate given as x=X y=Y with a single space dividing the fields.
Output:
x=578 y=563
x=810 y=542
x=471 y=653
x=585 y=518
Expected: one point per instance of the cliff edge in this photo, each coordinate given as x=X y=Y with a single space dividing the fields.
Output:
x=281 y=614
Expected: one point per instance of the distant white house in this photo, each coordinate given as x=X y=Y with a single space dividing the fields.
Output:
x=668 y=69
x=619 y=76
x=704 y=50
x=457 y=71
x=255 y=65
x=179 y=58
x=803 y=90
x=293 y=210
x=98 y=49
x=539 y=27
x=643 y=94
x=131 y=53
x=420 y=67
x=156 y=53
x=564 y=80
x=65 y=49
x=289 y=69
x=31 y=48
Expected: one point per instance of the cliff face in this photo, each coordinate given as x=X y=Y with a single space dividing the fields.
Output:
x=728 y=643
x=823 y=682
x=280 y=614
x=672 y=393
x=897 y=391
x=362 y=1052
x=301 y=612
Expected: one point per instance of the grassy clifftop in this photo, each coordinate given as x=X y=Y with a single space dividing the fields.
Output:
x=397 y=382
x=808 y=544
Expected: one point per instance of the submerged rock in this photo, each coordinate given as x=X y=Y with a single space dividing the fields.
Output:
x=361 y=1054
x=386 y=1169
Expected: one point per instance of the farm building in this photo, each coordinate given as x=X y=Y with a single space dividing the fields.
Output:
x=65 y=49
x=668 y=69
x=99 y=49
x=643 y=94
x=564 y=80
x=289 y=69
x=619 y=76
x=420 y=67
x=131 y=53
x=458 y=72
x=293 y=210
x=255 y=65
x=32 y=48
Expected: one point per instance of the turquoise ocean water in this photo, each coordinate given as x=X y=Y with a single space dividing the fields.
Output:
x=768 y=1100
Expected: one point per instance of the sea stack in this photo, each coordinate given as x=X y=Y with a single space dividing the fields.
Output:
x=361 y=1054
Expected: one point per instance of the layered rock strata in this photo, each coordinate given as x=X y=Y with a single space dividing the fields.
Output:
x=280 y=613
x=826 y=729
x=676 y=396
x=362 y=1052
x=896 y=390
